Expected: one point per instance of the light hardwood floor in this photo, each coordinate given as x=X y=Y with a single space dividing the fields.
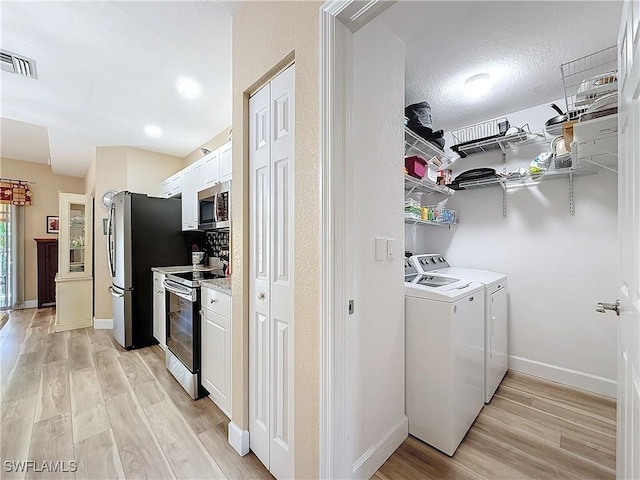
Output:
x=120 y=414
x=531 y=429
x=77 y=396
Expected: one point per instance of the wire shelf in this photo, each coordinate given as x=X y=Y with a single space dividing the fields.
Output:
x=588 y=79
x=482 y=130
x=416 y=145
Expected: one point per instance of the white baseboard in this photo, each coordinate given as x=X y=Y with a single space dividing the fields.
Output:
x=25 y=304
x=573 y=378
x=103 y=323
x=372 y=459
x=239 y=439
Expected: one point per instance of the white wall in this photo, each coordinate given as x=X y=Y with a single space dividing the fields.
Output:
x=376 y=423
x=558 y=265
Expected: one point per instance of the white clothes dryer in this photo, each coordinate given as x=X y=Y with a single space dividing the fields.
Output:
x=444 y=357
x=496 y=344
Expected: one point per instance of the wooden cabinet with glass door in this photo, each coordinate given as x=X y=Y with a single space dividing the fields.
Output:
x=74 y=282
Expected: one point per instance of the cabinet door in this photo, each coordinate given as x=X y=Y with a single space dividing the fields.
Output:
x=212 y=169
x=225 y=162
x=175 y=184
x=159 y=309
x=51 y=269
x=189 y=197
x=199 y=179
x=165 y=188
x=75 y=240
x=216 y=358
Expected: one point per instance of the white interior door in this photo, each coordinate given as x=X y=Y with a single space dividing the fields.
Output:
x=628 y=435
x=282 y=156
x=271 y=161
x=259 y=264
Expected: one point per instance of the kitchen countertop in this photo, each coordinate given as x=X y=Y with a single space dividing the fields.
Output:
x=180 y=269
x=222 y=285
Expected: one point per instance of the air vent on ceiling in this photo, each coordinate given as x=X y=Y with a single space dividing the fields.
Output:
x=16 y=64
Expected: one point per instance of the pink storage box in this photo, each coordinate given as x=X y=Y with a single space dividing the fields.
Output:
x=416 y=166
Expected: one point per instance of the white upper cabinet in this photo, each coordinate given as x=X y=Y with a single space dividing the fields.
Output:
x=211 y=169
x=172 y=186
x=225 y=162
x=199 y=172
x=189 y=198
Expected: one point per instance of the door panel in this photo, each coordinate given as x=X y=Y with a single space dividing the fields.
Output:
x=216 y=355
x=271 y=189
x=225 y=162
x=628 y=435
x=281 y=305
x=259 y=294
x=121 y=302
x=496 y=357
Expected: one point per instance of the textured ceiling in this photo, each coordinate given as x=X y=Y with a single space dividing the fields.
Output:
x=520 y=44
x=107 y=69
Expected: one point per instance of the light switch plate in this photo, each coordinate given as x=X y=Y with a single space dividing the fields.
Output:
x=380 y=249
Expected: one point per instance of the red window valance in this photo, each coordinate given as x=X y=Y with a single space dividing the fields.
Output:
x=14 y=193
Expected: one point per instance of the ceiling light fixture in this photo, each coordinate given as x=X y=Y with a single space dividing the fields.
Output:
x=477 y=86
x=153 y=131
x=188 y=88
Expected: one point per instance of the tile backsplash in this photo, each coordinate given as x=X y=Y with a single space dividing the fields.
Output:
x=217 y=241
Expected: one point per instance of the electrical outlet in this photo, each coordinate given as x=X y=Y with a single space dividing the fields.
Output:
x=390 y=248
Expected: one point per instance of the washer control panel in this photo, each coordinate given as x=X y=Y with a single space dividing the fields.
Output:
x=428 y=262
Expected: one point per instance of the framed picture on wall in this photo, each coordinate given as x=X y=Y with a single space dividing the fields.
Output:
x=53 y=224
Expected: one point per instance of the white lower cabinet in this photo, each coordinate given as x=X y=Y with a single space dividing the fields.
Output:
x=159 y=309
x=216 y=347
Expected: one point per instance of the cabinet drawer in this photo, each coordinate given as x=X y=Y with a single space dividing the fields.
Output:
x=216 y=301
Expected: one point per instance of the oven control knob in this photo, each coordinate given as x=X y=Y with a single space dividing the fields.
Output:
x=261 y=296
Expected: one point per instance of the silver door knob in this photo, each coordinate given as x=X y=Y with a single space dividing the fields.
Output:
x=602 y=307
x=213 y=300
x=261 y=296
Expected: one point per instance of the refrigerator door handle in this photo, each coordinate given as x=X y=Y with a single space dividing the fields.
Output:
x=115 y=294
x=109 y=244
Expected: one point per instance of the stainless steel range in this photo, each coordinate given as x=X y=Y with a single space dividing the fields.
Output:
x=183 y=355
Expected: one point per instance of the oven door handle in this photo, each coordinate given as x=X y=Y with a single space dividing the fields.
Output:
x=179 y=290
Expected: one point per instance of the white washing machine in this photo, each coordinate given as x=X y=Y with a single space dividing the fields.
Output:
x=496 y=346
x=444 y=319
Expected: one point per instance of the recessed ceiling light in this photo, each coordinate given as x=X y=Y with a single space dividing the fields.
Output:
x=188 y=88
x=477 y=86
x=153 y=131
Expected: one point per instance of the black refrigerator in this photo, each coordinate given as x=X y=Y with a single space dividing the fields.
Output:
x=142 y=232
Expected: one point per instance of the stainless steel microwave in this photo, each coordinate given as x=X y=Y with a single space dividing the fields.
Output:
x=214 y=210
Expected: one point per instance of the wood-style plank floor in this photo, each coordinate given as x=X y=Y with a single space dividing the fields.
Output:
x=120 y=414
x=78 y=396
x=531 y=429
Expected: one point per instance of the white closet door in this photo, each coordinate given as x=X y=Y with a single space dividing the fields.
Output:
x=271 y=190
x=259 y=273
x=282 y=161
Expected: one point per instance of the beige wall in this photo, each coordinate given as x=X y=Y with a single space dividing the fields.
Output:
x=121 y=168
x=216 y=142
x=145 y=170
x=266 y=34
x=44 y=202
